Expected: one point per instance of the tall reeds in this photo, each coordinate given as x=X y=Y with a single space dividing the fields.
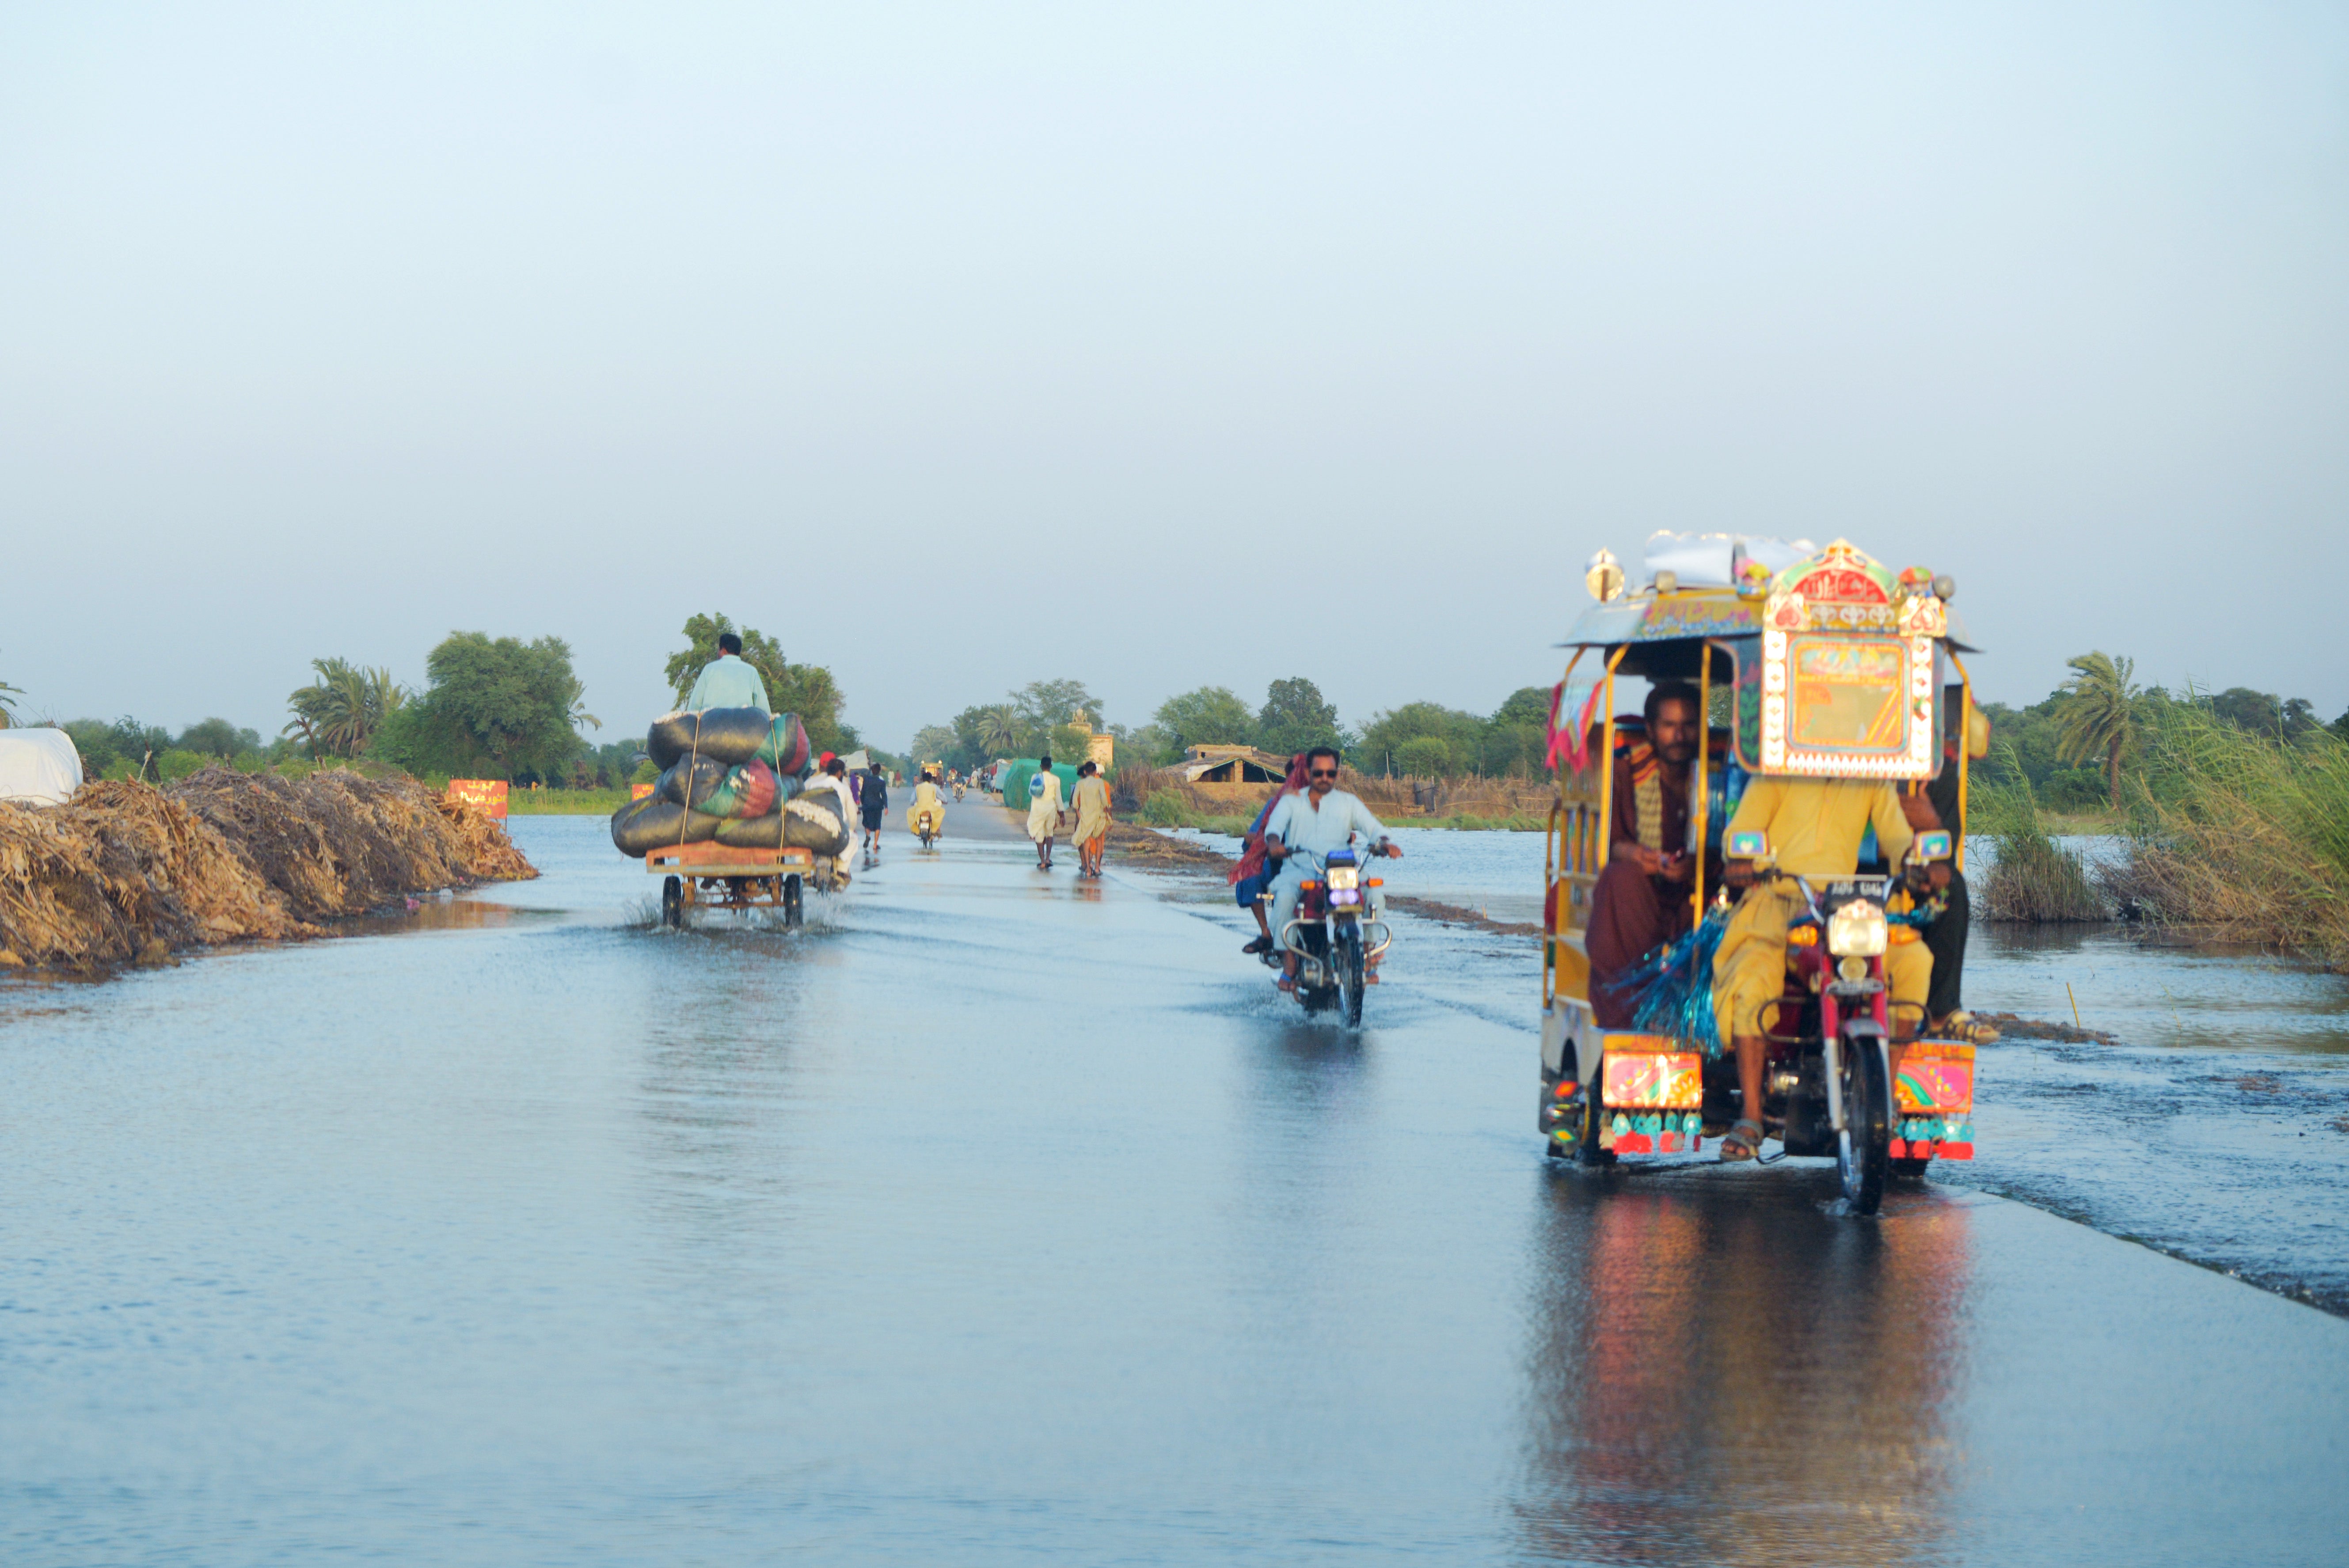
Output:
x=2031 y=877
x=2240 y=837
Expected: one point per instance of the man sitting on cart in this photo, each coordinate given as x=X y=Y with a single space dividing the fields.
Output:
x=726 y=681
x=1641 y=900
x=1814 y=827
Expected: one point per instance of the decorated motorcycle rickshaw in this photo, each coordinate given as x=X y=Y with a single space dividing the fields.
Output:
x=1831 y=666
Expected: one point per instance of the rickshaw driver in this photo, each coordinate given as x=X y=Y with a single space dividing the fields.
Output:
x=1813 y=826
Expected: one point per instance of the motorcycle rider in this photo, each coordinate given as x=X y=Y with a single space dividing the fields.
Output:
x=926 y=803
x=1324 y=818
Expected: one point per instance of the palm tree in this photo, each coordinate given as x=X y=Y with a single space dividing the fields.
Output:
x=340 y=712
x=998 y=728
x=2099 y=719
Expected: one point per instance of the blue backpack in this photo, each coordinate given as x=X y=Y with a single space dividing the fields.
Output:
x=1036 y=786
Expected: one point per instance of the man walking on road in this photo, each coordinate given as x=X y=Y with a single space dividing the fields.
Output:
x=873 y=804
x=727 y=682
x=1043 y=810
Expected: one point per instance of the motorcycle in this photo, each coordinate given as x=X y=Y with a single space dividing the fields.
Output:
x=1335 y=934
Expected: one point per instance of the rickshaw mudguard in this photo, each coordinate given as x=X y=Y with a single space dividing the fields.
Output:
x=1652 y=1091
x=1933 y=1098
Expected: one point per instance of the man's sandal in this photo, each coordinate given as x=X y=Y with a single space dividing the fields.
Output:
x=1261 y=944
x=1740 y=1145
x=1286 y=984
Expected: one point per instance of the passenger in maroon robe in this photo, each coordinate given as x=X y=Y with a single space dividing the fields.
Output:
x=1641 y=899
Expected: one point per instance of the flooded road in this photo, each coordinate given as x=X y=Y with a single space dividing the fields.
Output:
x=998 y=1218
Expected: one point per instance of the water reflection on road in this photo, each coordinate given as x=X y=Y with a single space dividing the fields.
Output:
x=1721 y=1377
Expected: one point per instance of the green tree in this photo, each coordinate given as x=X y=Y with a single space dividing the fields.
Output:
x=503 y=706
x=808 y=690
x=2098 y=717
x=1425 y=756
x=1045 y=706
x=218 y=737
x=8 y=695
x=339 y=714
x=936 y=743
x=1294 y=716
x=1211 y=715
x=1383 y=739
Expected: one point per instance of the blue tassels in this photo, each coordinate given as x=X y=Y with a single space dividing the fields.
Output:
x=1677 y=983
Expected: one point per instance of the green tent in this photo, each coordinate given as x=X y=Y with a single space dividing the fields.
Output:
x=1016 y=772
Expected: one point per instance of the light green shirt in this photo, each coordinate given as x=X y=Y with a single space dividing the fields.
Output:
x=727 y=682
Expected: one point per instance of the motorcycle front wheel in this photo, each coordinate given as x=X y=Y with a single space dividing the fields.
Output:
x=1346 y=957
x=1863 y=1149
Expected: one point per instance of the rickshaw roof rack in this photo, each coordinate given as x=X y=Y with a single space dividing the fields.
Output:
x=1838 y=589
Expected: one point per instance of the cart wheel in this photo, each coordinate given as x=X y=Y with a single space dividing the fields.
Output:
x=791 y=901
x=672 y=903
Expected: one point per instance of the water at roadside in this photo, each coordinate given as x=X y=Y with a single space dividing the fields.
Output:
x=2217 y=1129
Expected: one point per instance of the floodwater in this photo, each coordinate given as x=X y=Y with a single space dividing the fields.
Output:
x=2216 y=1130
x=998 y=1218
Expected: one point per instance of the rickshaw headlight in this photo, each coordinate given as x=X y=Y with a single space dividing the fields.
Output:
x=1857 y=929
x=1344 y=879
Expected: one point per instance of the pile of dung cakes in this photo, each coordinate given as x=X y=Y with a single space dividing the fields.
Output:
x=734 y=775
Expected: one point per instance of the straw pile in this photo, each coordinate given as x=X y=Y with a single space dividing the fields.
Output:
x=125 y=871
x=339 y=843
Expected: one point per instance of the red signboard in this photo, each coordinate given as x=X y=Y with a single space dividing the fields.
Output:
x=489 y=794
x=639 y=792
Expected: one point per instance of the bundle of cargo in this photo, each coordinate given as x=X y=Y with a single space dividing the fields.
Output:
x=731 y=776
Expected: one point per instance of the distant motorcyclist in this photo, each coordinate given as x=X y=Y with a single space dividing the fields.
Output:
x=1303 y=829
x=927 y=807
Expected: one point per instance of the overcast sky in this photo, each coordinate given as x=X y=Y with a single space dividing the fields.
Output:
x=1158 y=346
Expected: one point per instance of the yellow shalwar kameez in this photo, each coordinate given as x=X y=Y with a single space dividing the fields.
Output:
x=1092 y=804
x=1814 y=828
x=926 y=803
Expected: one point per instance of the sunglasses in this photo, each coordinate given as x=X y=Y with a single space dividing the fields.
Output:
x=1321 y=773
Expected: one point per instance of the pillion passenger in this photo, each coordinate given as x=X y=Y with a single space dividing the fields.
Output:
x=1641 y=900
x=1303 y=829
x=1813 y=828
x=726 y=681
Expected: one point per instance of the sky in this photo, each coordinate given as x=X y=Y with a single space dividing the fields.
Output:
x=960 y=346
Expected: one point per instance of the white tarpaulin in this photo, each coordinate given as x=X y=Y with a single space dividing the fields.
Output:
x=1710 y=560
x=38 y=767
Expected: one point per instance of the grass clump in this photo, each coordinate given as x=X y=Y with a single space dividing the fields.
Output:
x=2241 y=836
x=2032 y=878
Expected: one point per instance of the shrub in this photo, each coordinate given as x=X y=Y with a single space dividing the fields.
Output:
x=2032 y=878
x=1164 y=810
x=2244 y=835
x=1428 y=756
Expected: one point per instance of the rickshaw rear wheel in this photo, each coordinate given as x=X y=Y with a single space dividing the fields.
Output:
x=1911 y=1169
x=1587 y=1150
x=672 y=901
x=1862 y=1156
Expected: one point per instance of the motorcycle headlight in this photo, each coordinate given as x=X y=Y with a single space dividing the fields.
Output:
x=1345 y=879
x=1857 y=929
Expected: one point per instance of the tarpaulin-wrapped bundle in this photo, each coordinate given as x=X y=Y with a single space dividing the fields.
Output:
x=733 y=736
x=642 y=826
x=726 y=769
x=749 y=790
x=802 y=824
